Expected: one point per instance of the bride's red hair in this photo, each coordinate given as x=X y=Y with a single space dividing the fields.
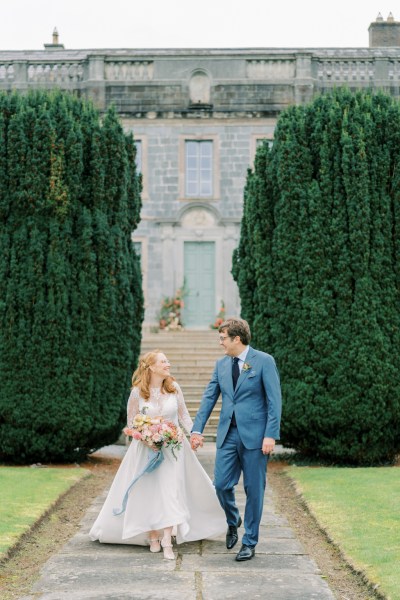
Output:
x=141 y=377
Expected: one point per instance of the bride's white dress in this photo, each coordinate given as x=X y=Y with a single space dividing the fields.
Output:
x=178 y=493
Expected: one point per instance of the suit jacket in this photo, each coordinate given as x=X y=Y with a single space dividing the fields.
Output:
x=256 y=399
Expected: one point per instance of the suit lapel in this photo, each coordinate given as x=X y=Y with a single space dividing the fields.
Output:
x=244 y=374
x=228 y=374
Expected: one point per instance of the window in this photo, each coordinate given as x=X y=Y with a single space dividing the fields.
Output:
x=260 y=141
x=199 y=168
x=140 y=141
x=138 y=249
x=140 y=246
x=257 y=139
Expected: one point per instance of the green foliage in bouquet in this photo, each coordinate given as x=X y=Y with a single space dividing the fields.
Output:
x=71 y=303
x=318 y=269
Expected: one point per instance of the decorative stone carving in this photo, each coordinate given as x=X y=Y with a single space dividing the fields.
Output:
x=231 y=232
x=198 y=219
x=167 y=232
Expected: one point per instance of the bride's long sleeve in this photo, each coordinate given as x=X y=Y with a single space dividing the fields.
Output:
x=133 y=406
x=183 y=413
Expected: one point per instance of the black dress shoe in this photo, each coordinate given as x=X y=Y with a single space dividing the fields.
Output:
x=245 y=553
x=232 y=535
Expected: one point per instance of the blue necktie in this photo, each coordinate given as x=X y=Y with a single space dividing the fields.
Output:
x=235 y=377
x=235 y=371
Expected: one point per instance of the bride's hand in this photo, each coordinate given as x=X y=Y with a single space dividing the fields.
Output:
x=196 y=441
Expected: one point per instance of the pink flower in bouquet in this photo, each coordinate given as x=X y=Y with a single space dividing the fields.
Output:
x=156 y=432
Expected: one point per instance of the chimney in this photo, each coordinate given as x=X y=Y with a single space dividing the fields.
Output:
x=384 y=33
x=55 y=45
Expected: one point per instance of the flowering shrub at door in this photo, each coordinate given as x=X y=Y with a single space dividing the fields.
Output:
x=220 y=318
x=170 y=317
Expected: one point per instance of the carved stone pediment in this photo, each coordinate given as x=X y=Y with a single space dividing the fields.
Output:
x=198 y=218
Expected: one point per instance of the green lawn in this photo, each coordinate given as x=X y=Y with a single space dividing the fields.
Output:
x=25 y=495
x=360 y=510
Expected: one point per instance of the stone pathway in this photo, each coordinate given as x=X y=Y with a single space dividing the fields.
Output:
x=206 y=570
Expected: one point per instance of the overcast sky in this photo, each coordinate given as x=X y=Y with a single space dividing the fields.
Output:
x=28 y=24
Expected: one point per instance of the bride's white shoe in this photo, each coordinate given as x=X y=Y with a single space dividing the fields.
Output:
x=167 y=549
x=155 y=545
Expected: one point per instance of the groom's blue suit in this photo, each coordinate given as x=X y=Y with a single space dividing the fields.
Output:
x=256 y=402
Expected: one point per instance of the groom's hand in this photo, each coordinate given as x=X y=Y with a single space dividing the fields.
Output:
x=268 y=445
x=196 y=441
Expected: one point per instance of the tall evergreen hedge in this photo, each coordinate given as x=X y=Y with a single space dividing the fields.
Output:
x=71 y=303
x=318 y=269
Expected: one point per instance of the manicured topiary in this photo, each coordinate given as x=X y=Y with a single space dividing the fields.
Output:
x=71 y=303
x=318 y=268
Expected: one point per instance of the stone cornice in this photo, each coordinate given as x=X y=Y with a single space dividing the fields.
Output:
x=181 y=53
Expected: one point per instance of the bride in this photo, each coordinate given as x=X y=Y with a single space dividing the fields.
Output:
x=176 y=498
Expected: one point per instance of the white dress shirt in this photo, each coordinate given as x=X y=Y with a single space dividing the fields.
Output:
x=242 y=358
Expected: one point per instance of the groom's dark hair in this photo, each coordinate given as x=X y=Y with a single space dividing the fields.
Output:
x=234 y=327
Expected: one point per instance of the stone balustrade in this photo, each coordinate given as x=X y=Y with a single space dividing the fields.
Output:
x=345 y=71
x=256 y=79
x=7 y=72
x=57 y=73
x=128 y=70
x=274 y=68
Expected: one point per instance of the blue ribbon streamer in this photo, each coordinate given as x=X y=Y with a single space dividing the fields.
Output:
x=155 y=460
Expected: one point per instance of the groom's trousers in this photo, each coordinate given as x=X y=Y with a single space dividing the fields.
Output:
x=232 y=459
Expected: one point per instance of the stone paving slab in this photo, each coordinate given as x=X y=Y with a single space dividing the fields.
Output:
x=225 y=563
x=125 y=583
x=123 y=594
x=204 y=570
x=267 y=585
x=265 y=546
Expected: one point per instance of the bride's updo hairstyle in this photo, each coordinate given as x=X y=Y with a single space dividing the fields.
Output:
x=141 y=377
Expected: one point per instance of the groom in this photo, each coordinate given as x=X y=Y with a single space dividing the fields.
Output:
x=248 y=427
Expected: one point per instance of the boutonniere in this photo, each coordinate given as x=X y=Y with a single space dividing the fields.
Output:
x=246 y=367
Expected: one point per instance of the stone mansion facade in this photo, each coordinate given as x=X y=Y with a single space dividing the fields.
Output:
x=197 y=116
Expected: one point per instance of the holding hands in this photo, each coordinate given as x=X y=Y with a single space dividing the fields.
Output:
x=196 y=441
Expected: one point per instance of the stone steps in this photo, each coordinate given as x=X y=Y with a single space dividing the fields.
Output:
x=192 y=355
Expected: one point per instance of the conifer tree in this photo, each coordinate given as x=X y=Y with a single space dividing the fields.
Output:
x=326 y=298
x=71 y=304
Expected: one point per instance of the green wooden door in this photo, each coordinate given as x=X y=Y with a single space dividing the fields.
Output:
x=199 y=271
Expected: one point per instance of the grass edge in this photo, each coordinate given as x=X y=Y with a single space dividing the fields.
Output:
x=13 y=549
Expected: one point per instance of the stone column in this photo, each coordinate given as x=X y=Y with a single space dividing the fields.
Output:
x=381 y=73
x=304 y=82
x=170 y=260
x=20 y=75
x=230 y=292
x=96 y=85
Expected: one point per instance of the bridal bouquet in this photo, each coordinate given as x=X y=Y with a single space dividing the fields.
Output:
x=155 y=432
